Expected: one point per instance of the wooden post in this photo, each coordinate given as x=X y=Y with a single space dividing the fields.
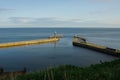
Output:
x=25 y=70
x=1 y=70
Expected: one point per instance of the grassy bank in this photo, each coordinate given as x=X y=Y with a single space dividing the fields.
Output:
x=103 y=71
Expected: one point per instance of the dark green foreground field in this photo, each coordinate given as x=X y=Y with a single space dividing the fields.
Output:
x=103 y=71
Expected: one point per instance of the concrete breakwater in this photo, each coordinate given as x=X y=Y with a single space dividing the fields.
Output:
x=31 y=42
x=80 y=42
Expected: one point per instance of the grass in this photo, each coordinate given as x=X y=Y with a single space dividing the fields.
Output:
x=103 y=71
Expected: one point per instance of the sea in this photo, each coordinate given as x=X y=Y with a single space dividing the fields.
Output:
x=43 y=56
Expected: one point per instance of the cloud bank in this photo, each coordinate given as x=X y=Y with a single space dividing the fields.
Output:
x=2 y=10
x=105 y=0
x=57 y=22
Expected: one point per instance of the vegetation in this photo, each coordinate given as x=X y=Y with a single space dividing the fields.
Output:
x=103 y=71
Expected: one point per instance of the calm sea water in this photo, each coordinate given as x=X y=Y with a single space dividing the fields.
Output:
x=37 y=57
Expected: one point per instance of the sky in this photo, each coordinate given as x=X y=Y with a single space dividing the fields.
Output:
x=60 y=13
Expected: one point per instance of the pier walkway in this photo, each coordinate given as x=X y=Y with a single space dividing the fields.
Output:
x=81 y=42
x=31 y=42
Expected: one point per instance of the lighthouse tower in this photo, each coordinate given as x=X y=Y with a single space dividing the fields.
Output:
x=55 y=34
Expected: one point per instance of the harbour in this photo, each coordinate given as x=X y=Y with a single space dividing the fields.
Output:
x=39 y=57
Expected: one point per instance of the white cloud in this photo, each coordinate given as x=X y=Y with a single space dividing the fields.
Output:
x=58 y=22
x=2 y=10
x=104 y=0
x=22 y=20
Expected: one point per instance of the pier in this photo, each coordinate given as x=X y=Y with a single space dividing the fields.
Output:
x=31 y=42
x=81 y=42
x=51 y=39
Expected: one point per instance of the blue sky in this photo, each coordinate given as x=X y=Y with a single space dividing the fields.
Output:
x=60 y=13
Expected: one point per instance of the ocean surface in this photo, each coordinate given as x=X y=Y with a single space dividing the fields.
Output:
x=38 y=57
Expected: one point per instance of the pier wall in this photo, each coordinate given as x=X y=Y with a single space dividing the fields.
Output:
x=98 y=49
x=31 y=42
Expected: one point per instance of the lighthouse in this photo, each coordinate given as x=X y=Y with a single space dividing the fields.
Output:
x=55 y=34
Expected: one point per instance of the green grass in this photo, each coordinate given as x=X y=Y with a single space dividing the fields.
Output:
x=103 y=71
